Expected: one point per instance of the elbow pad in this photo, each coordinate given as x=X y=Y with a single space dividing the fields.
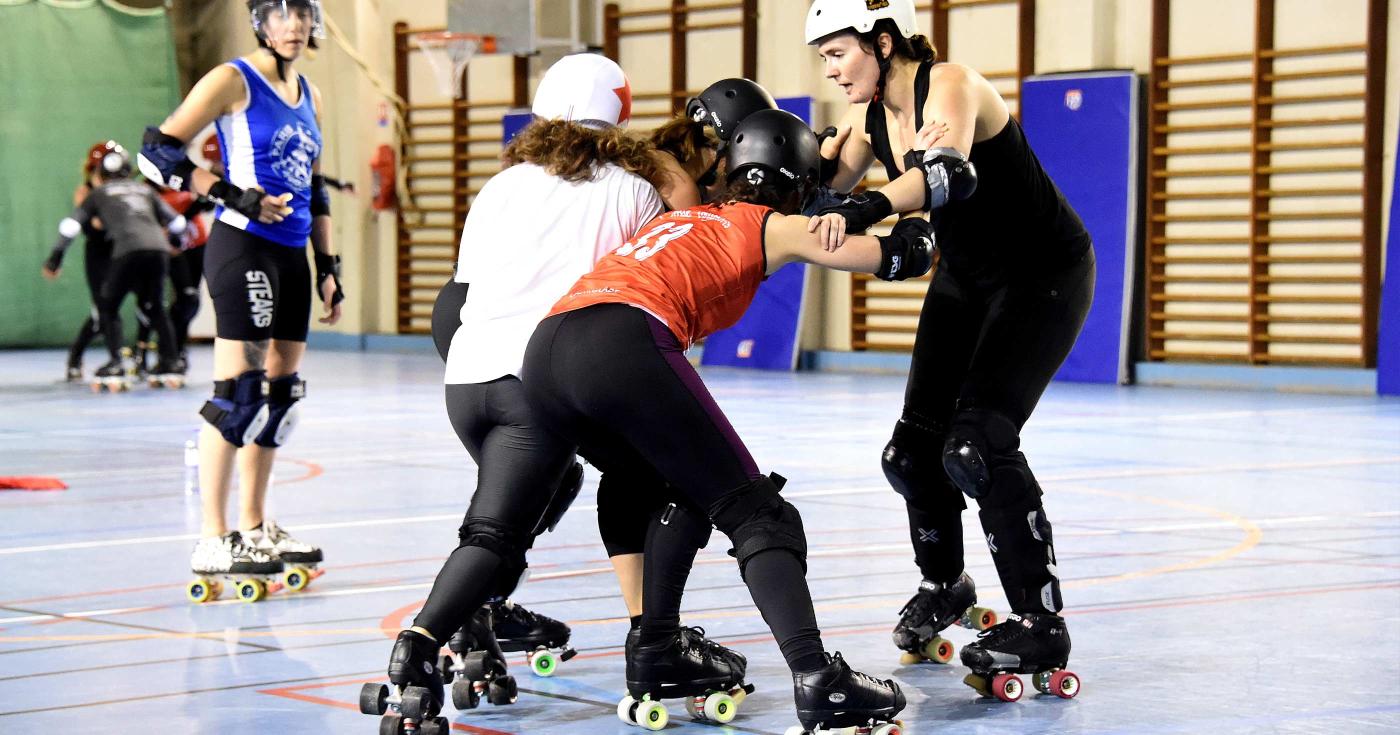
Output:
x=177 y=225
x=163 y=160
x=950 y=176
x=320 y=198
x=69 y=228
x=907 y=252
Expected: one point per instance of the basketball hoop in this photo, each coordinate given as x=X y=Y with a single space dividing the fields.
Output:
x=448 y=54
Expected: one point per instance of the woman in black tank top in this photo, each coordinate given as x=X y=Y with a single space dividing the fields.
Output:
x=1005 y=305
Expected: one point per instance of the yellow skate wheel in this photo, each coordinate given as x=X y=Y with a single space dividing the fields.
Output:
x=252 y=590
x=909 y=659
x=652 y=715
x=296 y=579
x=981 y=618
x=200 y=591
x=978 y=683
x=543 y=663
x=720 y=707
x=939 y=650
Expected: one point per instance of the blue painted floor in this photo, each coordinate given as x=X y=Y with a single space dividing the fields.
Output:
x=1231 y=560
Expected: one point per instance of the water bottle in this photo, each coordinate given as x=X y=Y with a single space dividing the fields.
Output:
x=192 y=463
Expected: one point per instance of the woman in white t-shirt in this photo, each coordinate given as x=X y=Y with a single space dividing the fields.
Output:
x=574 y=188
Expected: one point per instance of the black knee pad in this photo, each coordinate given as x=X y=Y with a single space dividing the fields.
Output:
x=563 y=497
x=625 y=509
x=683 y=526
x=910 y=464
x=508 y=543
x=282 y=414
x=982 y=457
x=756 y=519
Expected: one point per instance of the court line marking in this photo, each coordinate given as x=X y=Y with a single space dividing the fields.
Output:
x=1123 y=474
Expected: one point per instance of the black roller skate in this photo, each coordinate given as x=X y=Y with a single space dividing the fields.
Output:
x=930 y=611
x=477 y=665
x=112 y=377
x=74 y=373
x=835 y=699
x=539 y=636
x=1024 y=644
x=166 y=375
x=709 y=676
x=414 y=693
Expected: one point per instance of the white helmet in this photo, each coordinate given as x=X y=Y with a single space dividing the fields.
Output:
x=833 y=16
x=588 y=89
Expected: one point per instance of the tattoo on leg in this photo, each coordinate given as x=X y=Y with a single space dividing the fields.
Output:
x=255 y=353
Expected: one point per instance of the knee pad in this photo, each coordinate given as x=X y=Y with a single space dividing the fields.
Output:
x=909 y=465
x=239 y=407
x=756 y=519
x=559 y=502
x=506 y=542
x=684 y=526
x=982 y=457
x=282 y=414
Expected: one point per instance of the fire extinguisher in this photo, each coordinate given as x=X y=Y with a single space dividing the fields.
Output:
x=383 y=193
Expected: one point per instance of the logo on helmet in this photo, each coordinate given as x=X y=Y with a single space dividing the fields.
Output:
x=876 y=4
x=755 y=176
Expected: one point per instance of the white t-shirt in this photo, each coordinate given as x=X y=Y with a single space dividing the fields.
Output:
x=528 y=238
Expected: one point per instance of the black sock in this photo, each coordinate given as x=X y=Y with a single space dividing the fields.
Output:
x=636 y=621
x=673 y=538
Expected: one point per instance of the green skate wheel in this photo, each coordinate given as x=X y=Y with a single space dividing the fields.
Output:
x=720 y=707
x=543 y=663
x=652 y=715
x=939 y=650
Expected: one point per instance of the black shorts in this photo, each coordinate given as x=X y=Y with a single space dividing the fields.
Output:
x=261 y=290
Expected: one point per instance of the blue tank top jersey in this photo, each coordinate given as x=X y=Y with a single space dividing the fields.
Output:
x=271 y=145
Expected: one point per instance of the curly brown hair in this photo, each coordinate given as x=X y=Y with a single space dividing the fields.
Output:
x=684 y=139
x=574 y=152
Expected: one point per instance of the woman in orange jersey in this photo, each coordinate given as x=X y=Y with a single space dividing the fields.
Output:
x=606 y=370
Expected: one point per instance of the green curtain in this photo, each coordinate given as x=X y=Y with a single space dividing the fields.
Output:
x=72 y=73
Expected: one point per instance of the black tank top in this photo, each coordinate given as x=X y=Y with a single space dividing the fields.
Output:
x=1017 y=221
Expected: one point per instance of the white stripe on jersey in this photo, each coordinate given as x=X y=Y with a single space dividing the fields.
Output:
x=241 y=170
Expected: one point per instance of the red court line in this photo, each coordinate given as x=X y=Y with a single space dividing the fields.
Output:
x=292 y=693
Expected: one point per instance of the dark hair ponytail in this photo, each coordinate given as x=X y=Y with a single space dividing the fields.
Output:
x=914 y=48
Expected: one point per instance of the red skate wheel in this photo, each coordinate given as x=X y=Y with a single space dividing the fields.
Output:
x=1064 y=684
x=1007 y=687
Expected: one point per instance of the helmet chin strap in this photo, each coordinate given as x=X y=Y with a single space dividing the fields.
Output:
x=282 y=61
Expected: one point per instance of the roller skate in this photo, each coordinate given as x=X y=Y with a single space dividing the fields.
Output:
x=477 y=665
x=140 y=361
x=252 y=572
x=111 y=378
x=410 y=704
x=166 y=375
x=1025 y=644
x=74 y=374
x=539 y=636
x=708 y=676
x=300 y=559
x=834 y=700
x=931 y=610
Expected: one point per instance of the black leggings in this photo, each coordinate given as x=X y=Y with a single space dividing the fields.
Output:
x=519 y=467
x=616 y=381
x=141 y=273
x=97 y=260
x=186 y=271
x=982 y=359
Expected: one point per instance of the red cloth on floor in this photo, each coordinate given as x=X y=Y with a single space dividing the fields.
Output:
x=31 y=483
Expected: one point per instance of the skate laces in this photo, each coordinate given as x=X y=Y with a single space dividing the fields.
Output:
x=237 y=547
x=1007 y=630
x=836 y=657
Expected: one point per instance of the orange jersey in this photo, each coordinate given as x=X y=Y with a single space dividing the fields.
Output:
x=695 y=269
x=180 y=201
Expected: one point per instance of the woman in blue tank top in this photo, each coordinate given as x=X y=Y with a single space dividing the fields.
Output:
x=273 y=201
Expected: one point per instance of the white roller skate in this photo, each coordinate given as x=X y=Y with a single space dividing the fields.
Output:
x=253 y=572
x=300 y=559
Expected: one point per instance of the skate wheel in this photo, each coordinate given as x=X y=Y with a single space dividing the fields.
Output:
x=652 y=715
x=1007 y=687
x=252 y=590
x=889 y=728
x=979 y=683
x=624 y=709
x=445 y=668
x=542 y=663
x=464 y=694
x=693 y=707
x=795 y=730
x=982 y=618
x=476 y=664
x=416 y=704
x=434 y=726
x=391 y=725
x=1063 y=684
x=938 y=650
x=296 y=579
x=720 y=708
x=374 y=699
x=200 y=591
x=909 y=659
x=502 y=691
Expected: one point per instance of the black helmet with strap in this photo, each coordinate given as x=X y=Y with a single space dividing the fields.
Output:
x=724 y=104
x=775 y=147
